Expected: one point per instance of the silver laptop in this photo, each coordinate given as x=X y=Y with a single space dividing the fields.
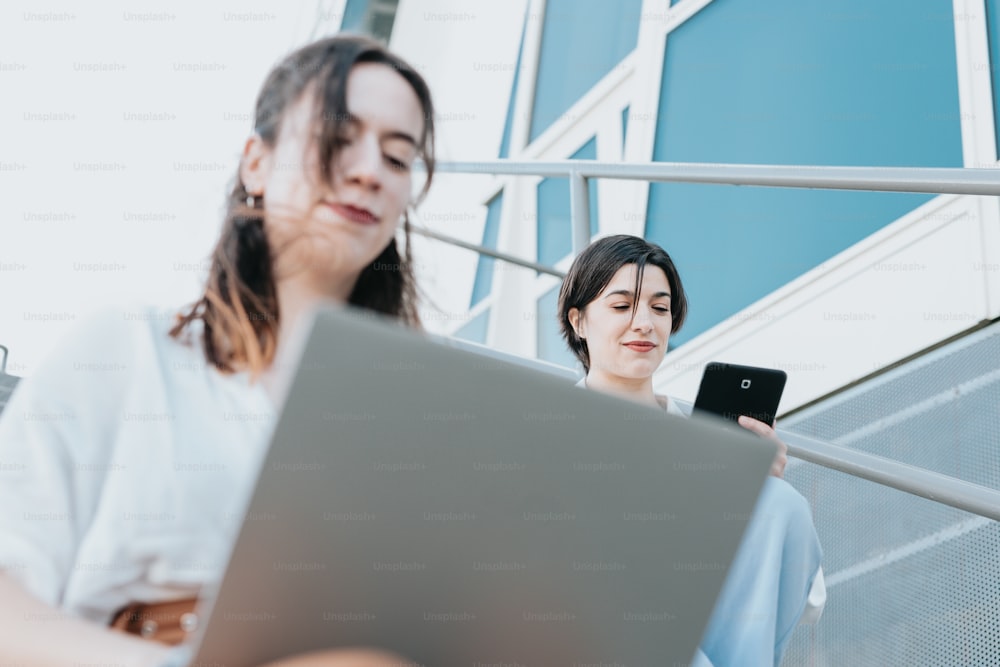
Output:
x=460 y=510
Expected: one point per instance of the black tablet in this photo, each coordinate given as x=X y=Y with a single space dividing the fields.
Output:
x=729 y=390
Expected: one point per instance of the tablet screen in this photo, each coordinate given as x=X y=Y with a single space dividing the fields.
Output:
x=731 y=391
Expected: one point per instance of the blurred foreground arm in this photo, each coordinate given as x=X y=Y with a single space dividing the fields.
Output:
x=38 y=635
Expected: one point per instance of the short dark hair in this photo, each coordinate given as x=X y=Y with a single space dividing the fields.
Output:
x=594 y=268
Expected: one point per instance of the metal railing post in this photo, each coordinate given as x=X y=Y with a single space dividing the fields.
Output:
x=579 y=211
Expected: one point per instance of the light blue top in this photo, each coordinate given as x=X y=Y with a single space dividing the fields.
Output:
x=774 y=579
x=768 y=585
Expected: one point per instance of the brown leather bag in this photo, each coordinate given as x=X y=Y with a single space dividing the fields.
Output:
x=166 y=622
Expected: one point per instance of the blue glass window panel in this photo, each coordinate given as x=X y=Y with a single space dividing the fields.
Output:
x=733 y=246
x=484 y=269
x=551 y=346
x=993 y=26
x=555 y=231
x=475 y=329
x=509 y=120
x=780 y=86
x=354 y=16
x=582 y=40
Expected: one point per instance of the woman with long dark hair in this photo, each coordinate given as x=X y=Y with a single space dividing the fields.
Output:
x=120 y=491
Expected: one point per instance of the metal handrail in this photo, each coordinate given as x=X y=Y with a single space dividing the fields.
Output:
x=930 y=180
x=935 y=486
x=489 y=252
x=944 y=489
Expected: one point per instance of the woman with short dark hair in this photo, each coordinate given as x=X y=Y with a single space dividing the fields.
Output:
x=619 y=303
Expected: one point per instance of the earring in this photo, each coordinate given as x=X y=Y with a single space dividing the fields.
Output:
x=252 y=199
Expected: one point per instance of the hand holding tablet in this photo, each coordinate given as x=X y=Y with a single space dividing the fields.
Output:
x=732 y=391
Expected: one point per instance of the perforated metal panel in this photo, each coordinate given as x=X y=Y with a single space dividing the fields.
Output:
x=910 y=581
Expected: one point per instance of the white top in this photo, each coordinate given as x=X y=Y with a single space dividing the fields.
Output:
x=125 y=467
x=669 y=406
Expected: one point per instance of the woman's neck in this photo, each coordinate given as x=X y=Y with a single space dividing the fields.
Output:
x=296 y=302
x=639 y=390
x=298 y=296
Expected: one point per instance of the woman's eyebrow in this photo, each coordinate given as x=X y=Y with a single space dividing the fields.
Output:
x=398 y=134
x=630 y=294
x=356 y=122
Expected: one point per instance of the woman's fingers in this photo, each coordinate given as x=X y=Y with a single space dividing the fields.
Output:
x=757 y=426
x=765 y=431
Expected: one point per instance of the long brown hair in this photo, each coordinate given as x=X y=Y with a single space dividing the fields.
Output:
x=239 y=307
